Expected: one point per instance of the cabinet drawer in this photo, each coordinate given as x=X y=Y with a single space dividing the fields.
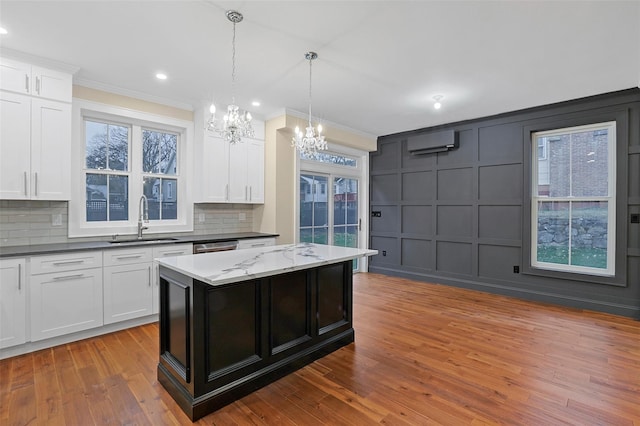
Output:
x=66 y=262
x=127 y=256
x=172 y=250
x=256 y=242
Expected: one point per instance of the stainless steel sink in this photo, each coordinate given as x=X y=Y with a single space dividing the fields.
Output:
x=143 y=241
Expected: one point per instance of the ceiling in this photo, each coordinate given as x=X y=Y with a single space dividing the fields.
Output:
x=380 y=62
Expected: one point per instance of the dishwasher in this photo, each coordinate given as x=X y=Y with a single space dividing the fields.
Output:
x=213 y=247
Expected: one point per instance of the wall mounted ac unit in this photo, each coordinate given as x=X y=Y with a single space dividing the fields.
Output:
x=428 y=143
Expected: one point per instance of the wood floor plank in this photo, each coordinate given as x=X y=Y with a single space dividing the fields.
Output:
x=424 y=354
x=47 y=388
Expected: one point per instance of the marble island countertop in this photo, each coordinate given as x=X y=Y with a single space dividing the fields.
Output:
x=232 y=266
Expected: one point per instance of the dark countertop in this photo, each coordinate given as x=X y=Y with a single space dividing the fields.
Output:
x=59 y=248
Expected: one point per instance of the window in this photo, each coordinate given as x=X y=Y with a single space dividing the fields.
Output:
x=159 y=158
x=107 y=171
x=573 y=204
x=335 y=159
x=127 y=154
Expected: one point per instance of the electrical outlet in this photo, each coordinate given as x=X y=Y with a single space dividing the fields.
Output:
x=376 y=214
x=516 y=269
x=635 y=218
x=242 y=216
x=201 y=218
x=56 y=219
x=384 y=252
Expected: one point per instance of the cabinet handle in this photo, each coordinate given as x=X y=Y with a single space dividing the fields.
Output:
x=133 y=256
x=26 y=185
x=67 y=262
x=38 y=85
x=26 y=83
x=250 y=193
x=226 y=190
x=171 y=253
x=36 y=183
x=149 y=276
x=19 y=276
x=245 y=193
x=359 y=224
x=258 y=245
x=68 y=277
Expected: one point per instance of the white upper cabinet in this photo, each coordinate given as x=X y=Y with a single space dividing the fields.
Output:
x=228 y=173
x=213 y=173
x=35 y=148
x=35 y=133
x=255 y=171
x=15 y=146
x=20 y=77
x=246 y=173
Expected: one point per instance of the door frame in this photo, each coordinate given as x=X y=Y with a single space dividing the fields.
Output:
x=360 y=172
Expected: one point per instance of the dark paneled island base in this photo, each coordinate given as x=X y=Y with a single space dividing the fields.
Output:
x=220 y=343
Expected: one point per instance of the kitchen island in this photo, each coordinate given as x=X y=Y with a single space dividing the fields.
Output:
x=232 y=322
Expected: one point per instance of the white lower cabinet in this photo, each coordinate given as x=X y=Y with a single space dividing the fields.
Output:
x=160 y=252
x=13 y=302
x=67 y=300
x=128 y=286
x=43 y=297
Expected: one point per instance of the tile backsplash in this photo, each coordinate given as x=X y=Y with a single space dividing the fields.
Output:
x=45 y=222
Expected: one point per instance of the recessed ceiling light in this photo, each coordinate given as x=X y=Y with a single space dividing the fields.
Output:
x=161 y=76
x=437 y=104
x=3 y=31
x=255 y=103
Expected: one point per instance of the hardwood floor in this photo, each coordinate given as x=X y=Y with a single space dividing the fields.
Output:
x=424 y=354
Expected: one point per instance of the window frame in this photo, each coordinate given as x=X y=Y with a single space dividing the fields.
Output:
x=599 y=114
x=137 y=121
x=610 y=126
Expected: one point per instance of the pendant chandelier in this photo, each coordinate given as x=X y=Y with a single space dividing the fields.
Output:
x=236 y=123
x=308 y=144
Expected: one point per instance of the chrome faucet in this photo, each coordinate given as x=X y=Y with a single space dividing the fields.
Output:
x=143 y=214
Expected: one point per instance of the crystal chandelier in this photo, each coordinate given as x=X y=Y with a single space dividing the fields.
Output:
x=308 y=144
x=236 y=123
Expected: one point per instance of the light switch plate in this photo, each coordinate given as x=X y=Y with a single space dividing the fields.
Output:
x=201 y=218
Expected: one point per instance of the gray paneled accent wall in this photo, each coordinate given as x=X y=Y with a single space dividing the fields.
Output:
x=462 y=217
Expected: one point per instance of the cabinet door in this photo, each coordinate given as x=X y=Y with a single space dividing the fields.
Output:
x=50 y=150
x=15 y=146
x=214 y=177
x=15 y=76
x=255 y=171
x=51 y=84
x=127 y=292
x=238 y=188
x=13 y=298
x=65 y=302
x=160 y=252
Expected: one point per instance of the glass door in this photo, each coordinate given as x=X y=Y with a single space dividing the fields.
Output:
x=329 y=213
x=314 y=212
x=345 y=213
x=331 y=187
